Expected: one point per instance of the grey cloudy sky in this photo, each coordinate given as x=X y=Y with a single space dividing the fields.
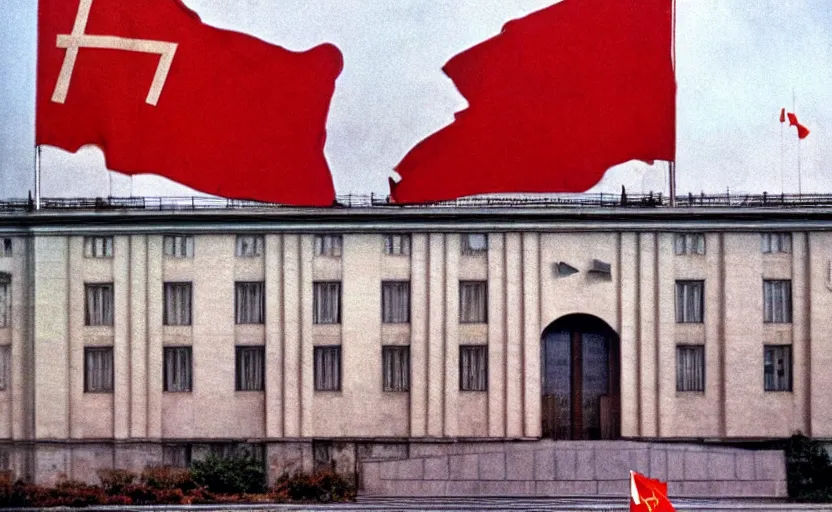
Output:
x=738 y=62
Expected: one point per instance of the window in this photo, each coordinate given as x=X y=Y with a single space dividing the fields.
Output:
x=98 y=308
x=178 y=372
x=250 y=303
x=690 y=243
x=327 y=368
x=328 y=245
x=395 y=302
x=690 y=368
x=327 y=303
x=7 y=248
x=5 y=299
x=777 y=368
x=251 y=368
x=177 y=304
x=474 y=244
x=179 y=246
x=473 y=302
x=777 y=243
x=397 y=245
x=690 y=302
x=5 y=366
x=98 y=370
x=98 y=247
x=396 y=367
x=473 y=368
x=176 y=455
x=249 y=246
x=777 y=301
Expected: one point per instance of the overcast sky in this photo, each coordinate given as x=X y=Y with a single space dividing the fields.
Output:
x=738 y=62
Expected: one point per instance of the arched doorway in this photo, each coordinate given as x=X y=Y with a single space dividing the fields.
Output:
x=580 y=357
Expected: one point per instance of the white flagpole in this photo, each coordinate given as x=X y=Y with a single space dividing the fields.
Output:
x=799 y=173
x=782 y=156
x=37 y=177
x=672 y=165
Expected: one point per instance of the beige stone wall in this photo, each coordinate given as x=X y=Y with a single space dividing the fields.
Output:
x=525 y=296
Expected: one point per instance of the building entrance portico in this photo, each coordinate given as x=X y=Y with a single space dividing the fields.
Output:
x=580 y=379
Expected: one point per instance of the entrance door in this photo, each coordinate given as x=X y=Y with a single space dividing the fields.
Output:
x=580 y=358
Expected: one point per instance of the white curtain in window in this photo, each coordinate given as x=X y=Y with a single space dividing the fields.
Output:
x=5 y=366
x=328 y=245
x=777 y=301
x=474 y=243
x=395 y=302
x=689 y=301
x=327 y=368
x=250 y=246
x=177 y=303
x=99 y=305
x=777 y=368
x=250 y=368
x=5 y=303
x=98 y=374
x=396 y=367
x=474 y=368
x=179 y=246
x=327 y=303
x=473 y=302
x=397 y=245
x=250 y=303
x=690 y=368
x=178 y=369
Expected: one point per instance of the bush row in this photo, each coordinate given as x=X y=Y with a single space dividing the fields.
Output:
x=212 y=480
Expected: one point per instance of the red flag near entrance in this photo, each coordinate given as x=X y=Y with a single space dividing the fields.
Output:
x=162 y=93
x=556 y=99
x=648 y=495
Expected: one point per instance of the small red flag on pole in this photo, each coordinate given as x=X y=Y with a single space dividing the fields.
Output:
x=782 y=115
x=648 y=495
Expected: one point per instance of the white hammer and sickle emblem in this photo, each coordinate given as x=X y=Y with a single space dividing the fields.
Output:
x=78 y=39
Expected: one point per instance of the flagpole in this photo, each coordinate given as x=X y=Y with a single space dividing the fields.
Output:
x=37 y=177
x=799 y=172
x=782 y=156
x=672 y=164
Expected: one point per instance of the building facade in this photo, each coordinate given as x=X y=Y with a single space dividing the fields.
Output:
x=133 y=338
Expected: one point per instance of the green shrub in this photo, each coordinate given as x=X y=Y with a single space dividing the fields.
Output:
x=230 y=475
x=324 y=485
x=809 y=470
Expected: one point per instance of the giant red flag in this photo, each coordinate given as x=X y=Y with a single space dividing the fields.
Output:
x=162 y=93
x=556 y=99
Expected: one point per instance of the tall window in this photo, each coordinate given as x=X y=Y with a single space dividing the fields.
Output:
x=473 y=302
x=328 y=245
x=251 y=368
x=250 y=303
x=178 y=369
x=777 y=301
x=98 y=370
x=473 y=368
x=776 y=243
x=777 y=368
x=178 y=304
x=474 y=244
x=396 y=368
x=397 y=245
x=395 y=302
x=690 y=243
x=6 y=249
x=249 y=246
x=179 y=246
x=690 y=302
x=98 y=306
x=326 y=303
x=5 y=300
x=98 y=247
x=327 y=368
x=690 y=368
x=5 y=366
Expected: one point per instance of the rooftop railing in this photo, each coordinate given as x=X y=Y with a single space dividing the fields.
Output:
x=569 y=201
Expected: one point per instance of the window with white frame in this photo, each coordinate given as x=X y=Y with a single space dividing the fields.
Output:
x=473 y=302
x=777 y=301
x=327 y=368
x=328 y=245
x=5 y=300
x=7 y=248
x=5 y=367
x=473 y=368
x=690 y=302
x=179 y=246
x=250 y=302
x=177 y=304
x=690 y=368
x=98 y=247
x=395 y=302
x=251 y=368
x=777 y=368
x=396 y=368
x=98 y=305
x=690 y=243
x=777 y=243
x=474 y=244
x=178 y=369
x=98 y=370
x=397 y=245
x=250 y=246
x=326 y=302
